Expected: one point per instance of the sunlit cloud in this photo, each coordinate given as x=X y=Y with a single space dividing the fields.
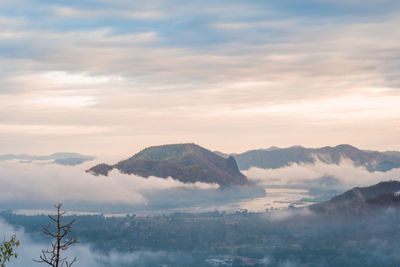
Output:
x=274 y=24
x=55 y=130
x=339 y=108
x=64 y=77
x=198 y=71
x=74 y=13
x=66 y=101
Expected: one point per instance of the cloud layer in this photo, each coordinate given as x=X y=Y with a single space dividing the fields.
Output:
x=134 y=74
x=40 y=185
x=347 y=173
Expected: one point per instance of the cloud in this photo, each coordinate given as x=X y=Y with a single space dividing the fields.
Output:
x=66 y=101
x=39 y=185
x=287 y=214
x=346 y=172
x=50 y=182
x=165 y=71
x=61 y=130
x=276 y=24
x=75 y=13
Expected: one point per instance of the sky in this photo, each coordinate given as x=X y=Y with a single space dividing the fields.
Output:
x=113 y=77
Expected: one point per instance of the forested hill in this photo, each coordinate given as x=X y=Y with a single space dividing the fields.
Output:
x=188 y=163
x=362 y=200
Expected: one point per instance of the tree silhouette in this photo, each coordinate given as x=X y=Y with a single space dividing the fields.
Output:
x=62 y=241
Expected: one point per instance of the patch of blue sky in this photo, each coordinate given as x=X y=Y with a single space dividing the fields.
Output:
x=333 y=8
x=190 y=24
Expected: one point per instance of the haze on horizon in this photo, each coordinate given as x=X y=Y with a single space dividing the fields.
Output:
x=102 y=77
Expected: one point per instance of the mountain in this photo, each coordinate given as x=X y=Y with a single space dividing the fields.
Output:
x=362 y=199
x=69 y=159
x=274 y=157
x=188 y=163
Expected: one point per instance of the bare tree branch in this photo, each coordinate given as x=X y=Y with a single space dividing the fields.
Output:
x=53 y=257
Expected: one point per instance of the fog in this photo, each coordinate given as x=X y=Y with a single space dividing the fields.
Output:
x=303 y=238
x=30 y=249
x=39 y=185
x=346 y=174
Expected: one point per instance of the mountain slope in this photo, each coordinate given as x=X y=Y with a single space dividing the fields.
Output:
x=188 y=163
x=362 y=199
x=274 y=157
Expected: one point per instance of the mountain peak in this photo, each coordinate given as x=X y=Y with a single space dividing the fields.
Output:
x=346 y=146
x=165 y=152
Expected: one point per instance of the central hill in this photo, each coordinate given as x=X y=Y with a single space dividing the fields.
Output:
x=188 y=163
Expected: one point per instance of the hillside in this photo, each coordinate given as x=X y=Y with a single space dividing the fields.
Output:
x=275 y=157
x=188 y=163
x=362 y=199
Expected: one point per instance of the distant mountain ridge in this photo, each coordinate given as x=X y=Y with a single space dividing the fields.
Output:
x=69 y=159
x=188 y=163
x=274 y=157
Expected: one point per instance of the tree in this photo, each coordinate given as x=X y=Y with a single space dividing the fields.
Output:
x=7 y=250
x=53 y=256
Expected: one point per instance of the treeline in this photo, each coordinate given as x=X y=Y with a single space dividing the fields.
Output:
x=300 y=239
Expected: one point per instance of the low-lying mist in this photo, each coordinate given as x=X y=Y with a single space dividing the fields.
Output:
x=294 y=237
x=346 y=174
x=30 y=249
x=39 y=185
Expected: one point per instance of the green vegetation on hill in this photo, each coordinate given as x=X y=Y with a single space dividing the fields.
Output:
x=361 y=200
x=166 y=152
x=188 y=163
